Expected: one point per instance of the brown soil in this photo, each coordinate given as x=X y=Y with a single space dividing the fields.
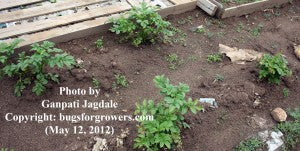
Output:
x=214 y=130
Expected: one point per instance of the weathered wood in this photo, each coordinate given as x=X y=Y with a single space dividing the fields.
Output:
x=251 y=7
x=220 y=9
x=5 y=4
x=66 y=33
x=91 y=27
x=177 y=2
x=178 y=9
x=45 y=9
x=209 y=7
x=62 y=20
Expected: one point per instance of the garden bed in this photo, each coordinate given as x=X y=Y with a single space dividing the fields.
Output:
x=216 y=129
x=243 y=7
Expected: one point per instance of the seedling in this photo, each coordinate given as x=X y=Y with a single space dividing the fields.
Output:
x=99 y=43
x=222 y=117
x=218 y=78
x=256 y=31
x=251 y=144
x=32 y=68
x=142 y=25
x=214 y=58
x=121 y=80
x=96 y=83
x=209 y=34
x=164 y=131
x=285 y=92
x=200 y=30
x=174 y=61
x=273 y=68
x=240 y=27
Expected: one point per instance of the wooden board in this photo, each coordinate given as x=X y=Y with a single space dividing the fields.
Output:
x=87 y=28
x=177 y=2
x=251 y=7
x=62 y=20
x=14 y=3
x=45 y=9
x=209 y=7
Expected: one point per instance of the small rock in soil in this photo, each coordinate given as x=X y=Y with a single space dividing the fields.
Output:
x=297 y=51
x=275 y=142
x=279 y=114
x=256 y=103
x=101 y=144
x=113 y=64
x=272 y=139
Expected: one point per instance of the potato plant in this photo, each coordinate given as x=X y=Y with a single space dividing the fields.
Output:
x=32 y=68
x=141 y=25
x=164 y=131
x=273 y=68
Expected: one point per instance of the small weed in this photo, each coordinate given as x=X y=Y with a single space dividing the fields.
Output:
x=200 y=30
x=219 y=78
x=99 y=43
x=181 y=21
x=223 y=117
x=285 y=92
x=96 y=83
x=209 y=34
x=121 y=80
x=240 y=27
x=291 y=129
x=193 y=58
x=251 y=144
x=214 y=58
x=174 y=61
x=256 y=30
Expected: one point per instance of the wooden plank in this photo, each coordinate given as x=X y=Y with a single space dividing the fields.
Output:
x=14 y=3
x=87 y=28
x=63 y=20
x=133 y=2
x=178 y=9
x=63 y=34
x=45 y=9
x=251 y=7
x=177 y=2
x=209 y=7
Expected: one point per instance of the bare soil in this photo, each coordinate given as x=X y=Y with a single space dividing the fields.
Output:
x=214 y=130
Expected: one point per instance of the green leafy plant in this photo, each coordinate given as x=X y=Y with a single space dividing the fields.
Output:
x=219 y=78
x=99 y=43
x=273 y=68
x=214 y=58
x=174 y=61
x=251 y=144
x=256 y=30
x=142 y=25
x=6 y=51
x=291 y=129
x=164 y=131
x=285 y=92
x=121 y=80
x=96 y=82
x=32 y=68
